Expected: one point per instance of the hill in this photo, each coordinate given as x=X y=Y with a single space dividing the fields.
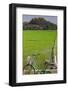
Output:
x=39 y=24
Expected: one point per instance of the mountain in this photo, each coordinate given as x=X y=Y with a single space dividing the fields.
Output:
x=39 y=24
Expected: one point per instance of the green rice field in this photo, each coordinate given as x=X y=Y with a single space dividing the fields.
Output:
x=38 y=44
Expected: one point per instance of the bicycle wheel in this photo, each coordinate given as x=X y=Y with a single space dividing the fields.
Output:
x=28 y=69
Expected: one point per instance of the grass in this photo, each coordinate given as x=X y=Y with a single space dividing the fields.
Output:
x=38 y=44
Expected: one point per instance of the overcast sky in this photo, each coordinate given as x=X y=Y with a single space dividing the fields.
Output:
x=52 y=19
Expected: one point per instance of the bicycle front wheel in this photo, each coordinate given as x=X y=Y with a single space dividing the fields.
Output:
x=28 y=69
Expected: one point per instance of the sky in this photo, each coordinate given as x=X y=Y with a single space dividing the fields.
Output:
x=52 y=19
